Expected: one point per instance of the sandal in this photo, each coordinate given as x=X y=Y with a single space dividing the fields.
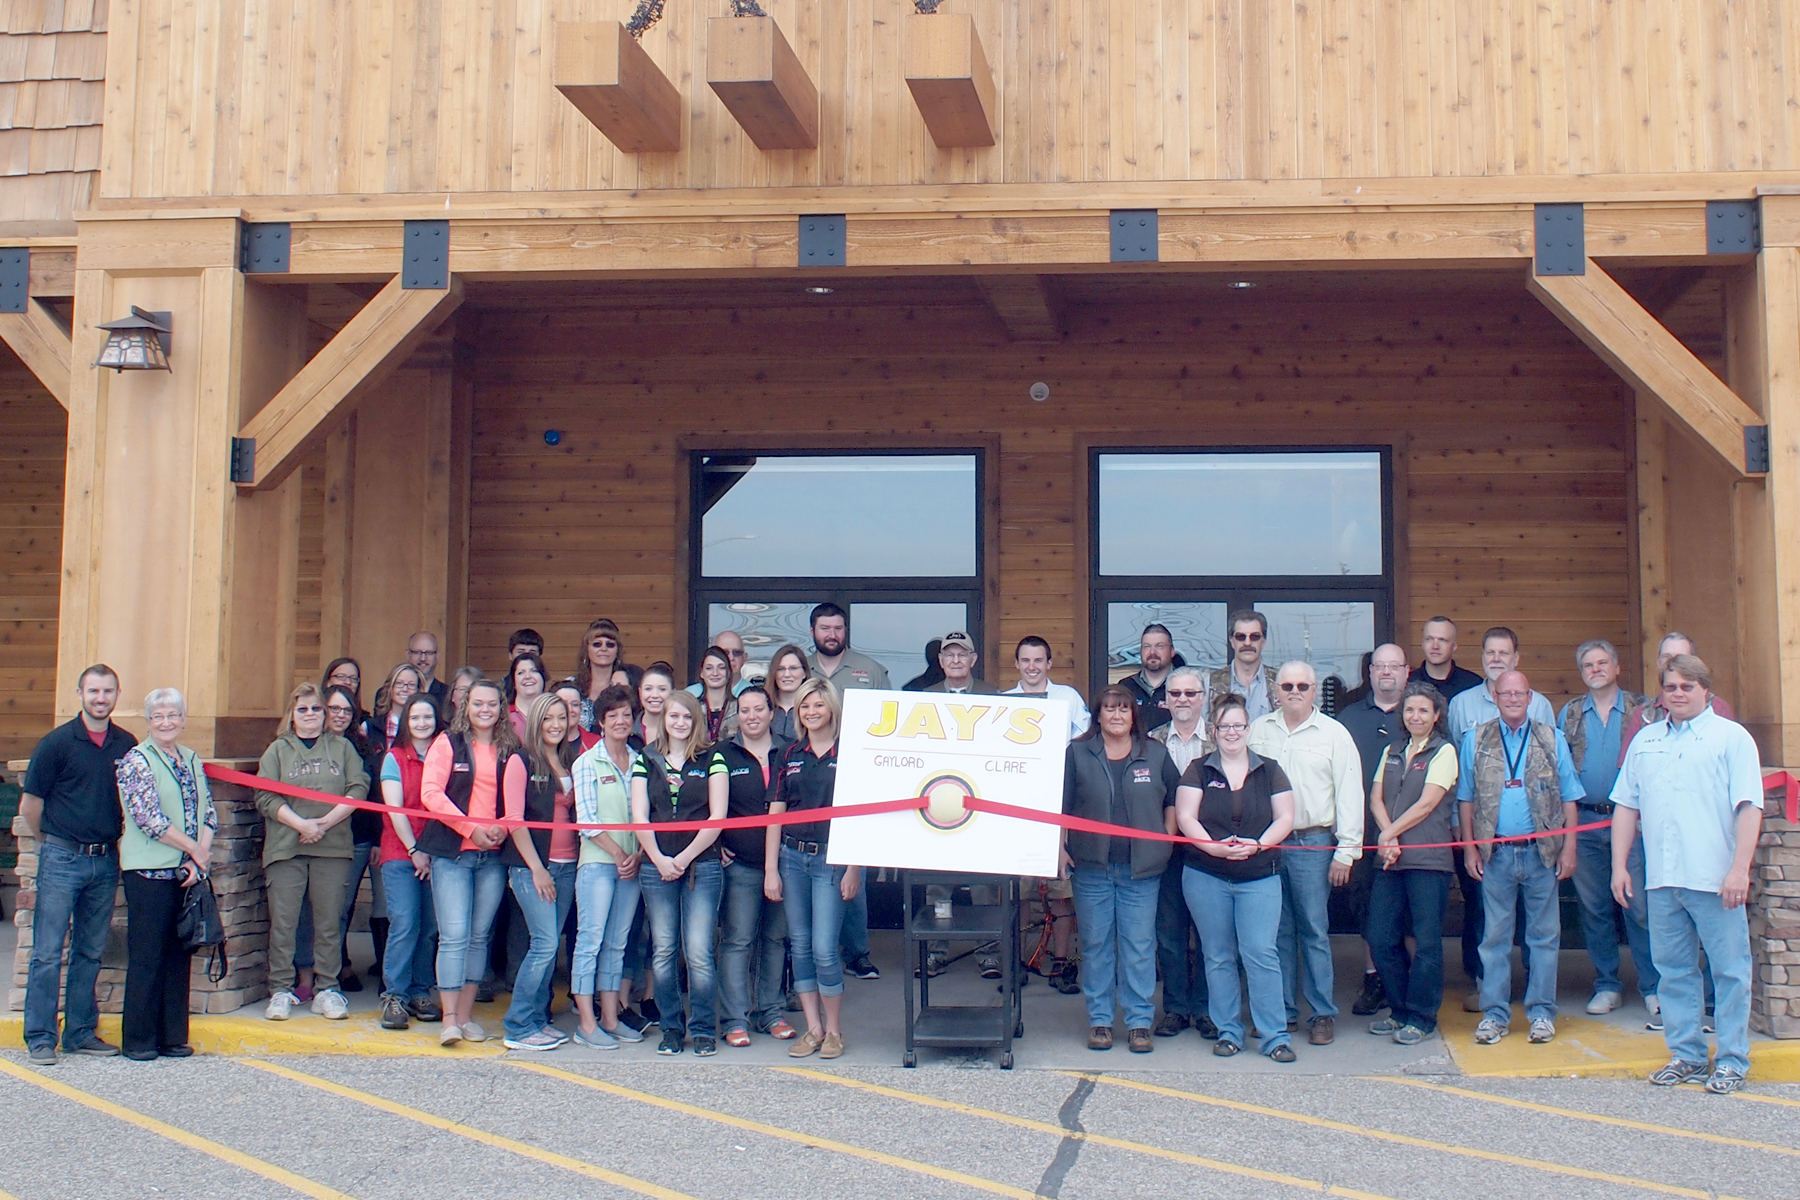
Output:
x=737 y=1037
x=781 y=1031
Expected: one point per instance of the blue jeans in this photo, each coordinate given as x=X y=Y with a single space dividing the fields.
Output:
x=1593 y=887
x=1305 y=937
x=1684 y=922
x=407 y=966
x=751 y=921
x=1183 y=972
x=1117 y=918
x=74 y=905
x=467 y=891
x=1517 y=869
x=1239 y=921
x=813 y=898
x=684 y=918
x=605 y=906
x=853 y=935
x=361 y=854
x=1403 y=902
x=530 y=1005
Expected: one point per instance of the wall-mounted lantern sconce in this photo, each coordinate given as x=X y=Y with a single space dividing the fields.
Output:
x=139 y=342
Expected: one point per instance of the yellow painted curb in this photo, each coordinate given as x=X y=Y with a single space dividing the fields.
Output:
x=1590 y=1048
x=246 y=1033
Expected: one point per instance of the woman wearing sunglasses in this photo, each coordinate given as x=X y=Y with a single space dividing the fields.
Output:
x=602 y=650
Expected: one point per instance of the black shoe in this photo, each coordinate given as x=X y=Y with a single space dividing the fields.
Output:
x=1373 y=999
x=705 y=1046
x=393 y=1013
x=863 y=968
x=670 y=1044
x=1068 y=980
x=93 y=1048
x=350 y=981
x=424 y=1008
x=652 y=1013
x=141 y=1055
x=484 y=992
x=43 y=1056
x=634 y=1020
x=182 y=1051
x=1207 y=1029
x=1170 y=1024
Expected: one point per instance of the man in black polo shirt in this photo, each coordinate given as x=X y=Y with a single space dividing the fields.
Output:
x=1150 y=686
x=71 y=805
x=1439 y=668
x=1374 y=723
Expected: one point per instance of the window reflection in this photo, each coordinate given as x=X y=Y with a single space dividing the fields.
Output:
x=1197 y=628
x=893 y=634
x=1331 y=635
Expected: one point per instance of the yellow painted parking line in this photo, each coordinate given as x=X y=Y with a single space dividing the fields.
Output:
x=192 y=1141
x=1097 y=1139
x=1600 y=1118
x=1762 y=1099
x=1513 y=1160
x=776 y=1131
x=581 y=1167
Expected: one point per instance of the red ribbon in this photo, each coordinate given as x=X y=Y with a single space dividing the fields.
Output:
x=1782 y=779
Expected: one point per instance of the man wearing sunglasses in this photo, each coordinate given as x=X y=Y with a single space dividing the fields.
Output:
x=1244 y=673
x=1322 y=763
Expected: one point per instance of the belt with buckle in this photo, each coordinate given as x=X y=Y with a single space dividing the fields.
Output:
x=802 y=847
x=1602 y=809
x=86 y=849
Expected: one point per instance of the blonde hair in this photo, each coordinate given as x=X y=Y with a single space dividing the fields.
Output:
x=696 y=741
x=544 y=760
x=819 y=687
x=300 y=693
x=506 y=739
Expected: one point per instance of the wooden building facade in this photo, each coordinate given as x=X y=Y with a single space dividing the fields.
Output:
x=462 y=296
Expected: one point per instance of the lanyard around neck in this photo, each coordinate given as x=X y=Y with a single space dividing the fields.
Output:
x=1514 y=761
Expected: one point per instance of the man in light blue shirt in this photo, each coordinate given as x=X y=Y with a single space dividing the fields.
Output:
x=1517 y=779
x=1695 y=783
x=1499 y=654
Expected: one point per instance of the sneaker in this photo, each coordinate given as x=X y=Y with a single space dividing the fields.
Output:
x=1322 y=1031
x=425 y=1008
x=43 y=1056
x=1170 y=1024
x=1386 y=1027
x=1542 y=1030
x=1724 y=1081
x=449 y=1035
x=1100 y=1037
x=705 y=1047
x=1678 y=1071
x=281 y=1005
x=781 y=1031
x=597 y=1040
x=1225 y=1048
x=624 y=1032
x=1489 y=1032
x=862 y=967
x=543 y=1039
x=393 y=1013
x=93 y=1047
x=1373 y=999
x=632 y=1019
x=670 y=1044
x=989 y=966
x=472 y=1032
x=1138 y=1041
x=935 y=965
x=331 y=1005
x=1604 y=1002
x=737 y=1038
x=1409 y=1035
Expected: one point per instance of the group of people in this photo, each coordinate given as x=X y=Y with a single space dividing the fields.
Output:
x=1276 y=801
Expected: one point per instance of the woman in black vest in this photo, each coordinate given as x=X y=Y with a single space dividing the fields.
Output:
x=1117 y=775
x=1240 y=807
x=1411 y=804
x=543 y=888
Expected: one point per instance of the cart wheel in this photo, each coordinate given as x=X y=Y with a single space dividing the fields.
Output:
x=1006 y=1061
x=911 y=1059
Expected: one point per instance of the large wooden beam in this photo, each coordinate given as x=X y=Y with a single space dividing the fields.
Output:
x=763 y=83
x=1024 y=306
x=41 y=345
x=365 y=352
x=1635 y=344
x=606 y=75
x=949 y=78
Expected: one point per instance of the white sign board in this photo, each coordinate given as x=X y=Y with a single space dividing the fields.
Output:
x=946 y=747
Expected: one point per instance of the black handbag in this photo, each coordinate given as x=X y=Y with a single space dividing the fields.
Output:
x=200 y=928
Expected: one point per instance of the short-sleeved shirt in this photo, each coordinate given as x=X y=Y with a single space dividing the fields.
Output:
x=79 y=782
x=680 y=794
x=1443 y=769
x=1687 y=781
x=1245 y=812
x=1514 y=818
x=1476 y=707
x=807 y=781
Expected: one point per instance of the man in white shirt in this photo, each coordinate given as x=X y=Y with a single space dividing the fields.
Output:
x=1695 y=783
x=1322 y=763
x=1499 y=654
x=1032 y=660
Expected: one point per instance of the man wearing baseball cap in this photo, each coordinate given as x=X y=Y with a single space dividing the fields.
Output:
x=957 y=657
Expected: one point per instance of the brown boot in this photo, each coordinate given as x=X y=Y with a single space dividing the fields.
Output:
x=1100 y=1037
x=1324 y=1031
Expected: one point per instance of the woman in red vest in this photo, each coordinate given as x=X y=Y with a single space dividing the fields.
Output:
x=408 y=969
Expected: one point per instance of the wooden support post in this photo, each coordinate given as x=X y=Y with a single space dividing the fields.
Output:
x=610 y=78
x=1617 y=328
x=351 y=366
x=949 y=78
x=762 y=82
x=1650 y=474
x=42 y=346
x=1024 y=306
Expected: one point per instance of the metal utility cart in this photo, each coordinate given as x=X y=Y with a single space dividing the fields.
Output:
x=962 y=1025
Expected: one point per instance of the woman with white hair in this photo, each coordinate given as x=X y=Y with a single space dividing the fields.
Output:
x=166 y=848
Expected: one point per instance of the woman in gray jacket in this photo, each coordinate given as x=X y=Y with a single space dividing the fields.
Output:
x=1118 y=776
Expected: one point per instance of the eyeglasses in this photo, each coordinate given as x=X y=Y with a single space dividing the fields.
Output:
x=307 y=708
x=1234 y=727
x=1247 y=637
x=1183 y=695
x=1512 y=695
x=734 y=655
x=1296 y=687
x=605 y=643
x=337 y=710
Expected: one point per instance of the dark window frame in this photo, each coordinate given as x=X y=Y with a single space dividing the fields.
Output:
x=844 y=590
x=1235 y=591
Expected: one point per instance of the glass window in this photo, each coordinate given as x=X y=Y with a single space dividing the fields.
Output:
x=893 y=634
x=1196 y=627
x=1330 y=635
x=1291 y=513
x=838 y=516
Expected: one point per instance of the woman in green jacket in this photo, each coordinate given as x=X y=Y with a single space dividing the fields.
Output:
x=307 y=848
x=166 y=848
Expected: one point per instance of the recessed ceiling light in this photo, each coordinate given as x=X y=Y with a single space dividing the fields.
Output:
x=820 y=291
x=1240 y=285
